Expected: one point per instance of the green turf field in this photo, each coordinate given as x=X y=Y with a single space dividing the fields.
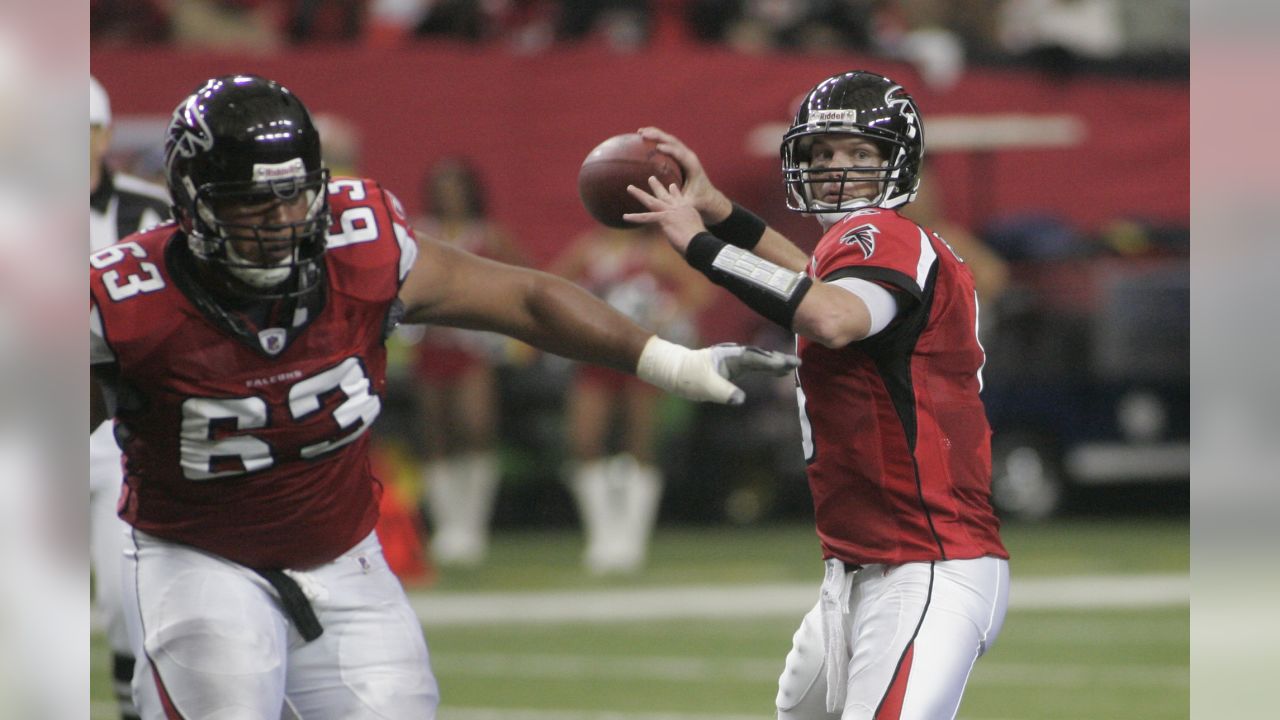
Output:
x=1056 y=662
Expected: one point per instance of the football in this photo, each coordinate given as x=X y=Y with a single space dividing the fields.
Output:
x=622 y=160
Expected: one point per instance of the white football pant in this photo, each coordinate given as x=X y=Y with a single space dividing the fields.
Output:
x=218 y=644
x=904 y=639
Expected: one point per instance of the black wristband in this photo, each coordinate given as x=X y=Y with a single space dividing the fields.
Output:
x=742 y=228
x=702 y=251
x=771 y=290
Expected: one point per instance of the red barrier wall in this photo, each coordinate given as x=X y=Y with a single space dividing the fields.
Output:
x=529 y=121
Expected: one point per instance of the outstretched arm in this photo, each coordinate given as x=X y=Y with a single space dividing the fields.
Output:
x=448 y=286
x=715 y=208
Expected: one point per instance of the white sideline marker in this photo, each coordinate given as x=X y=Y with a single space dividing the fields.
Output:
x=729 y=602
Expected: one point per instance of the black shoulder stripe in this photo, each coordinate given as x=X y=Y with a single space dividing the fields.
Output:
x=876 y=274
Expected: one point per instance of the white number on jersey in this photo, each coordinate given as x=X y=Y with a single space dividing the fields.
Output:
x=200 y=416
x=148 y=281
x=358 y=223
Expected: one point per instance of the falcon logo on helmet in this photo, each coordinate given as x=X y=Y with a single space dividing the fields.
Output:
x=188 y=132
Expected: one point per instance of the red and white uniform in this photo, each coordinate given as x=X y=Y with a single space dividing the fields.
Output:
x=899 y=464
x=251 y=452
x=897 y=442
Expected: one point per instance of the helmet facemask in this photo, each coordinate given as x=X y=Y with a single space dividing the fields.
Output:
x=267 y=236
x=804 y=181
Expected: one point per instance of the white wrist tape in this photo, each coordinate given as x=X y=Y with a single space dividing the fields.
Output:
x=688 y=373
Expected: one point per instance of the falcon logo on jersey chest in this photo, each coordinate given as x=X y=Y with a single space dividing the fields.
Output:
x=864 y=236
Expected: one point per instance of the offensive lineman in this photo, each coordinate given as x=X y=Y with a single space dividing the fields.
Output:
x=241 y=352
x=894 y=432
x=119 y=205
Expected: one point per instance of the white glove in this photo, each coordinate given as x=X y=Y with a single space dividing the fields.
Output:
x=705 y=374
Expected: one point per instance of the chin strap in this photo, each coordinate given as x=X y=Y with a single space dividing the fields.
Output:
x=829 y=220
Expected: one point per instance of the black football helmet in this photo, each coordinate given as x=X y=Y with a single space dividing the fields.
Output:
x=866 y=105
x=243 y=140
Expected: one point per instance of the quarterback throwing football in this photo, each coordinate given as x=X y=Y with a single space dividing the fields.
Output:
x=894 y=433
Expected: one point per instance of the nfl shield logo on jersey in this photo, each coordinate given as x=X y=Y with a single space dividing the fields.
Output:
x=272 y=339
x=864 y=236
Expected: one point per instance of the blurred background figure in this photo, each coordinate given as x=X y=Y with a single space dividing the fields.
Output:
x=990 y=270
x=253 y=26
x=1058 y=34
x=119 y=205
x=760 y=26
x=455 y=377
x=128 y=22
x=612 y=421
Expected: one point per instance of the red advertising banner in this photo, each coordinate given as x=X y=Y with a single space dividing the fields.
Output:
x=1000 y=141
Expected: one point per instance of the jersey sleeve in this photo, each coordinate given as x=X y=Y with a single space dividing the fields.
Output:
x=405 y=237
x=877 y=246
x=370 y=244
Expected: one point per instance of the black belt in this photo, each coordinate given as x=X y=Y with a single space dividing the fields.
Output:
x=295 y=602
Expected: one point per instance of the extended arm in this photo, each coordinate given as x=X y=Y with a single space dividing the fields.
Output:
x=450 y=287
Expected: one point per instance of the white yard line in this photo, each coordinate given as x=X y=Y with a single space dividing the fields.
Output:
x=729 y=602
x=454 y=713
x=657 y=668
x=732 y=602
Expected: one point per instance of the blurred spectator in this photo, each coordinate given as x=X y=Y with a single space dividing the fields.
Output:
x=756 y=26
x=625 y=25
x=463 y=19
x=232 y=25
x=391 y=22
x=989 y=268
x=1059 y=33
x=396 y=22
x=128 y=22
x=618 y=491
x=1035 y=236
x=341 y=147
x=456 y=377
x=917 y=32
x=325 y=20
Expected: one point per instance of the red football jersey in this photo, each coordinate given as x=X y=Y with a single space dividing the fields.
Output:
x=895 y=434
x=253 y=448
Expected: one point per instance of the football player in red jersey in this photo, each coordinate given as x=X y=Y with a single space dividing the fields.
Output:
x=241 y=352
x=894 y=433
